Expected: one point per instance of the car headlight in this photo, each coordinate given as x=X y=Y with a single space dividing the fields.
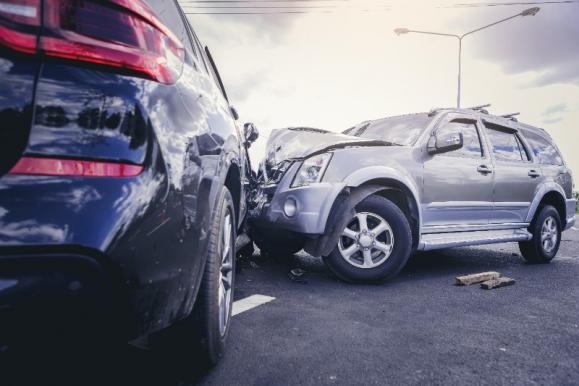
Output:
x=312 y=170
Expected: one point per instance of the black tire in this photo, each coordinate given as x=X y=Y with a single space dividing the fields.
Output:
x=534 y=250
x=385 y=209
x=197 y=342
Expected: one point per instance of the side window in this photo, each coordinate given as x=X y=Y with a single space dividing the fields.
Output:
x=199 y=46
x=506 y=145
x=191 y=38
x=543 y=150
x=215 y=73
x=169 y=14
x=524 y=152
x=472 y=144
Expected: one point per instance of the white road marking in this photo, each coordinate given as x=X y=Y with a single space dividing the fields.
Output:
x=575 y=229
x=250 y=302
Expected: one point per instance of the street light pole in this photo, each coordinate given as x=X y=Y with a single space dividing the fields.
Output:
x=401 y=31
x=459 y=71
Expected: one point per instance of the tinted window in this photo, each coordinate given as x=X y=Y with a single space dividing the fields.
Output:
x=168 y=13
x=191 y=39
x=543 y=150
x=506 y=145
x=400 y=130
x=471 y=140
x=524 y=153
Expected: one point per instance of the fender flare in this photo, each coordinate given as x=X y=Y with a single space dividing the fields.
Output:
x=370 y=173
x=343 y=208
x=540 y=193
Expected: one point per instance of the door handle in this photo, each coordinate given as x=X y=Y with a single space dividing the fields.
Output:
x=534 y=174
x=484 y=169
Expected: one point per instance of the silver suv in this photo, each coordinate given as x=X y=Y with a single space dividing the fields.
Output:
x=369 y=197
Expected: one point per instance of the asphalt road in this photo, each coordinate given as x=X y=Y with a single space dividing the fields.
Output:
x=417 y=329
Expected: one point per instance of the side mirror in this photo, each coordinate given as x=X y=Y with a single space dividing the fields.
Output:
x=444 y=143
x=250 y=133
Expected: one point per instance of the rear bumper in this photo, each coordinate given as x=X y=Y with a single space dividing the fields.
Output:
x=57 y=296
x=571 y=211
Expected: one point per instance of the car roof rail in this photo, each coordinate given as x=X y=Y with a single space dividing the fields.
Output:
x=511 y=116
x=480 y=108
x=436 y=110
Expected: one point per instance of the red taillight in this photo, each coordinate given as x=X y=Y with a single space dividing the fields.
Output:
x=73 y=168
x=20 y=24
x=120 y=34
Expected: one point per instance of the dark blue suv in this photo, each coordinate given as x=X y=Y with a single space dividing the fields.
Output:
x=123 y=176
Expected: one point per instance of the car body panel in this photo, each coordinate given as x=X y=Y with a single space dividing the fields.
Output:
x=150 y=228
x=454 y=192
x=452 y=196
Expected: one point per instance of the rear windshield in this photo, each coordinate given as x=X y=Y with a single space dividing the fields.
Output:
x=400 y=130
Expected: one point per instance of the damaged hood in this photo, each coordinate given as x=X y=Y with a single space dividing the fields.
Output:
x=302 y=142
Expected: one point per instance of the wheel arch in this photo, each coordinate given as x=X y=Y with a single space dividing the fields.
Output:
x=233 y=184
x=391 y=186
x=549 y=194
x=403 y=198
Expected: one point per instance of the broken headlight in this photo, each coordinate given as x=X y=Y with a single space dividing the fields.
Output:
x=275 y=173
x=312 y=170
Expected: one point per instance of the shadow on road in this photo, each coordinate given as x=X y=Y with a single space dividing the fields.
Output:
x=119 y=365
x=422 y=265
x=91 y=364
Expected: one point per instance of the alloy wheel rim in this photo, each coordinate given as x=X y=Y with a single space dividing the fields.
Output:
x=367 y=241
x=549 y=234
x=225 y=274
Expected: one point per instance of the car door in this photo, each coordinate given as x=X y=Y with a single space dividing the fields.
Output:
x=457 y=187
x=516 y=176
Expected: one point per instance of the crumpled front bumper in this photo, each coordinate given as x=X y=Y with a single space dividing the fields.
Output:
x=571 y=210
x=313 y=205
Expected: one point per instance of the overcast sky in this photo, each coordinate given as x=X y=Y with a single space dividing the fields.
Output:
x=340 y=63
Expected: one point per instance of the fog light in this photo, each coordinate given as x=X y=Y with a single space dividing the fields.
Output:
x=290 y=207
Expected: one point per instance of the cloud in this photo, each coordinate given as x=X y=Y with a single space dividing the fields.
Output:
x=271 y=29
x=555 y=109
x=555 y=113
x=544 y=45
x=552 y=120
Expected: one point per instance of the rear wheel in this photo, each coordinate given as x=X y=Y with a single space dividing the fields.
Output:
x=199 y=340
x=374 y=245
x=546 y=231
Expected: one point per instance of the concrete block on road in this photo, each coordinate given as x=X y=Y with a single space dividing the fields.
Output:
x=477 y=278
x=497 y=283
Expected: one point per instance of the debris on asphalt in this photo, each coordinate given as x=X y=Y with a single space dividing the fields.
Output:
x=297 y=275
x=297 y=272
x=476 y=278
x=497 y=283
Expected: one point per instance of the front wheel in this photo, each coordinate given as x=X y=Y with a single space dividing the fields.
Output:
x=374 y=245
x=546 y=231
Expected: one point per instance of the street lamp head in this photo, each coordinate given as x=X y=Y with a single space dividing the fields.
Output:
x=401 y=31
x=531 y=11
